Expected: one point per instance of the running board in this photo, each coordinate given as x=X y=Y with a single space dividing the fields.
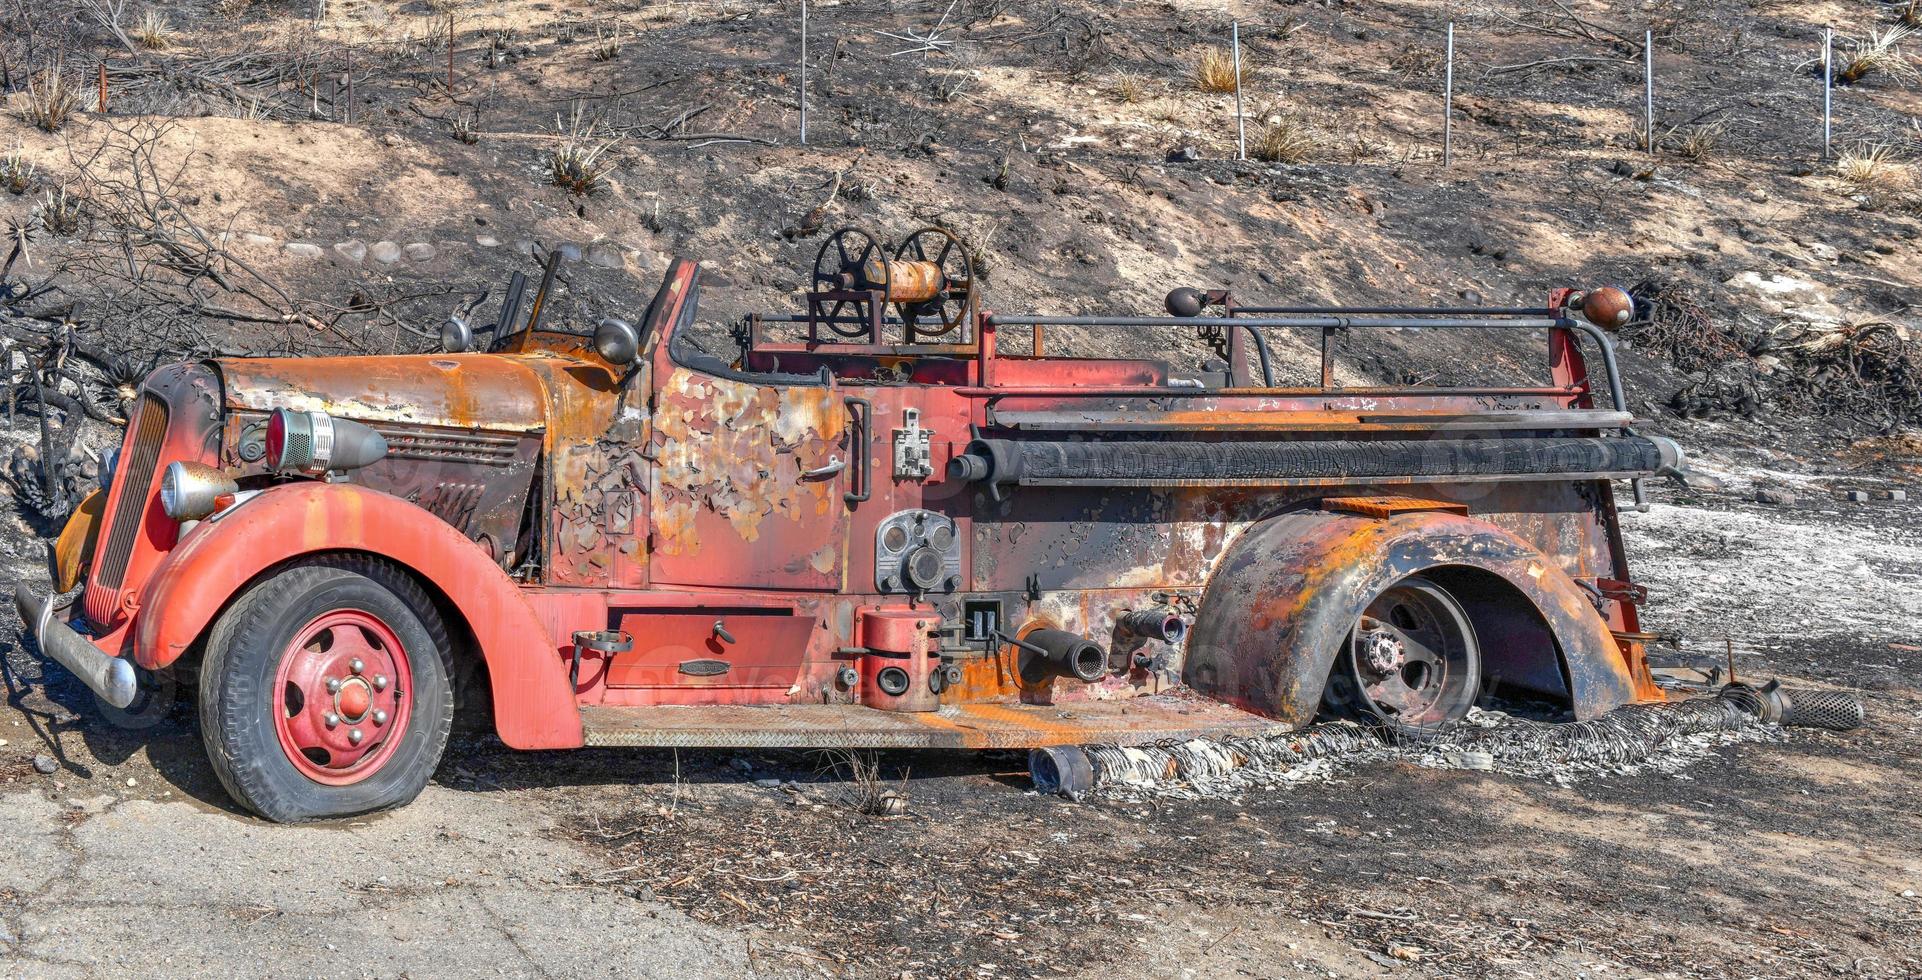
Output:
x=1126 y=721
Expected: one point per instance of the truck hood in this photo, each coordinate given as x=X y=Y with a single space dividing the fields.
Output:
x=467 y=391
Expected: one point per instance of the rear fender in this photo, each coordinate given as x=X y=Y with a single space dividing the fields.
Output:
x=1286 y=595
x=533 y=707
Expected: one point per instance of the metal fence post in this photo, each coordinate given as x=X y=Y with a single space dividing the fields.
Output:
x=1648 y=91
x=1448 y=101
x=1828 y=87
x=804 y=72
x=1241 y=123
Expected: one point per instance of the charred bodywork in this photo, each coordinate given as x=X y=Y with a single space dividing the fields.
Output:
x=880 y=525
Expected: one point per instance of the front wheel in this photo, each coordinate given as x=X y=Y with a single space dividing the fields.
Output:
x=325 y=691
x=1411 y=661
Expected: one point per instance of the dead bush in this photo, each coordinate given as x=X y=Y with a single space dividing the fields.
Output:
x=607 y=43
x=1215 y=71
x=1416 y=61
x=865 y=791
x=51 y=101
x=1286 y=138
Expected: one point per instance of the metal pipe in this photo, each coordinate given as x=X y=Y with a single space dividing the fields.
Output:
x=1448 y=102
x=1241 y=123
x=1828 y=85
x=1648 y=91
x=1536 y=311
x=1617 y=399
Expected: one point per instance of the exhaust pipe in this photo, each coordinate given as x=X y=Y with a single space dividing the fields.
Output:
x=1156 y=624
x=112 y=678
x=1065 y=653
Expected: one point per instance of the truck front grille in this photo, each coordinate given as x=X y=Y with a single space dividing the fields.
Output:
x=135 y=474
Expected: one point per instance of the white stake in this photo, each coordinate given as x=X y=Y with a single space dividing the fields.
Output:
x=1828 y=86
x=1241 y=124
x=804 y=72
x=1648 y=91
x=1448 y=101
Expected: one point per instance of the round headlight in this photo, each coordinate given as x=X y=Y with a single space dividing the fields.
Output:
x=617 y=341
x=190 y=491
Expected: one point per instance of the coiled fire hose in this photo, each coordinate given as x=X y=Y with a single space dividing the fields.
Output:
x=1627 y=735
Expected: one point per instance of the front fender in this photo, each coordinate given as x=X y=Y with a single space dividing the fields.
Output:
x=1283 y=600
x=533 y=707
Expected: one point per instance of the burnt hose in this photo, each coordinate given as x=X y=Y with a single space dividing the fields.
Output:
x=1064 y=653
x=1156 y=624
x=1007 y=462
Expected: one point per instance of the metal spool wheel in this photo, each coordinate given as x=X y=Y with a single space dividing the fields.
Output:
x=952 y=272
x=1411 y=660
x=853 y=259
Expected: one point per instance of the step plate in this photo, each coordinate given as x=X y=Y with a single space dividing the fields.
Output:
x=967 y=726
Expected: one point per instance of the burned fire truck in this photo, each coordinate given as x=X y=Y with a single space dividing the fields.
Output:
x=894 y=520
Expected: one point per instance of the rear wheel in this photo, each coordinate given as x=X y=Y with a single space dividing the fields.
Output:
x=325 y=691
x=1411 y=660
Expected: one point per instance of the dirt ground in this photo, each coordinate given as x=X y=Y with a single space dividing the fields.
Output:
x=1782 y=356
x=1796 y=858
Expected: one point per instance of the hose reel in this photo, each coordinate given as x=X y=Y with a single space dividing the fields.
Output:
x=928 y=280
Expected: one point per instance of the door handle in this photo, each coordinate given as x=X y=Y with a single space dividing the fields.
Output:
x=835 y=464
x=863 y=420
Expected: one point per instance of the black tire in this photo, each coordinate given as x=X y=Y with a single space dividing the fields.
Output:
x=1434 y=687
x=238 y=677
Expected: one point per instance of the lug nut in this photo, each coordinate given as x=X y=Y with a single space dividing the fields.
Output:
x=380 y=682
x=355 y=736
x=333 y=685
x=380 y=717
x=331 y=719
x=355 y=665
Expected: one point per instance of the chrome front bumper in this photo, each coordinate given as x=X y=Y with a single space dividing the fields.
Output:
x=113 y=678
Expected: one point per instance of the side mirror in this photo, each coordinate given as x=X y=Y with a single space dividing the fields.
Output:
x=456 y=337
x=617 y=341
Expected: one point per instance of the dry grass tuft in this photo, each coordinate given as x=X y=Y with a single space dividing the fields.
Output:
x=866 y=792
x=1872 y=172
x=61 y=212
x=50 y=100
x=1697 y=145
x=1215 y=70
x=17 y=173
x=579 y=163
x=1128 y=87
x=1877 y=54
x=152 y=31
x=607 y=43
x=1287 y=138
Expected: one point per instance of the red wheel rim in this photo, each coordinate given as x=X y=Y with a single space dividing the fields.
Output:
x=341 y=697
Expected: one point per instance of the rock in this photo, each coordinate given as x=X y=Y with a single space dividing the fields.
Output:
x=1775 y=496
x=419 y=252
x=1701 y=481
x=1897 y=495
x=45 y=765
x=386 y=253
x=1779 y=290
x=570 y=251
x=768 y=783
x=1854 y=496
x=301 y=250
x=1184 y=154
x=487 y=241
x=1480 y=761
x=353 y=250
x=1474 y=298
x=524 y=246
x=1822 y=252
x=606 y=256
x=258 y=241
